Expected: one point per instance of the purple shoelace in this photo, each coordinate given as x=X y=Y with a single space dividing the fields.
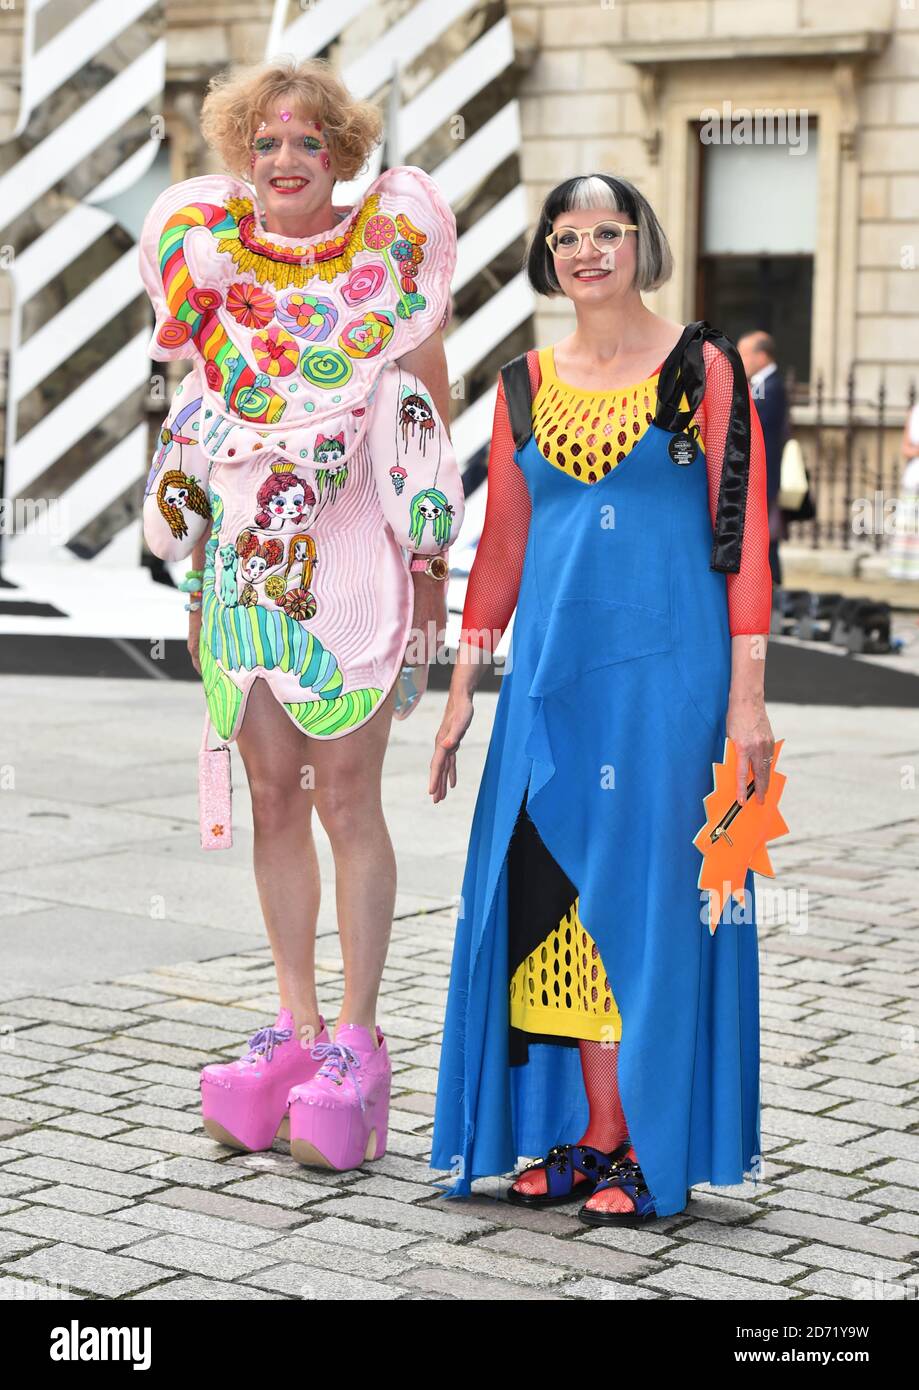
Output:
x=338 y=1056
x=265 y=1040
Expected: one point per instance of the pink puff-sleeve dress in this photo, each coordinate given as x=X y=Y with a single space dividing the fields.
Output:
x=313 y=462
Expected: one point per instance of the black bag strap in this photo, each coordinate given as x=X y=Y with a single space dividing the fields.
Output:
x=684 y=373
x=515 y=376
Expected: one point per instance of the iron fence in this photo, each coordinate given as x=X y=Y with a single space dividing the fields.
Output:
x=852 y=450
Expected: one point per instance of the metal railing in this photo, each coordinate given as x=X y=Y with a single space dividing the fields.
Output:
x=852 y=453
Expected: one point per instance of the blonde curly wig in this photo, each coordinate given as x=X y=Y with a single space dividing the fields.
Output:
x=240 y=98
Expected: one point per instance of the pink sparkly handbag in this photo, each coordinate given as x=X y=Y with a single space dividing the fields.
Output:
x=215 y=793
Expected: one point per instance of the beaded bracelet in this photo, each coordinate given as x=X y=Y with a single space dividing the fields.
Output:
x=191 y=584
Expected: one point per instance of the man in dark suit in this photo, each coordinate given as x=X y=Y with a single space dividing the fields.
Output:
x=757 y=352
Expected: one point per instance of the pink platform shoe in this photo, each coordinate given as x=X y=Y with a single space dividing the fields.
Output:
x=341 y=1117
x=244 y=1103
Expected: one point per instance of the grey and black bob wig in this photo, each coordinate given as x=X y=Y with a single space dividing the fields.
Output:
x=654 y=261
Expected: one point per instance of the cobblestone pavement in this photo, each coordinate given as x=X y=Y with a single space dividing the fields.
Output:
x=110 y=1189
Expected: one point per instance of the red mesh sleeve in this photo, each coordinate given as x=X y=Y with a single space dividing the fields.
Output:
x=494 y=580
x=750 y=590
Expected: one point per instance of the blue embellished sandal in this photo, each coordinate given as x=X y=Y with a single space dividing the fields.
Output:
x=628 y=1177
x=561 y=1163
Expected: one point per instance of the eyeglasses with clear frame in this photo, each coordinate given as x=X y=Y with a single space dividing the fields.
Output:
x=605 y=236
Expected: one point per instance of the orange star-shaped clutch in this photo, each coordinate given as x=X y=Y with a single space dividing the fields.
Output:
x=733 y=839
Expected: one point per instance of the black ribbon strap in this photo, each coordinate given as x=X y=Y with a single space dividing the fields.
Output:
x=684 y=373
x=516 y=378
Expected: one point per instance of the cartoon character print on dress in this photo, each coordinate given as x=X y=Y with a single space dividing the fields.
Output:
x=291 y=591
x=429 y=509
x=416 y=413
x=283 y=498
x=229 y=564
x=433 y=508
x=301 y=555
x=256 y=557
x=178 y=490
x=246 y=637
x=330 y=481
x=331 y=478
x=176 y=493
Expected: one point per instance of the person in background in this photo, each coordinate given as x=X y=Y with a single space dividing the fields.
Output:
x=757 y=352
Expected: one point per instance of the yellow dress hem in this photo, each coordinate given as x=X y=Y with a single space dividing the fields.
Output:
x=565 y=1023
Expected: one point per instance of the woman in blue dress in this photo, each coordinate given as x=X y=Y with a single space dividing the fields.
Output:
x=592 y=1017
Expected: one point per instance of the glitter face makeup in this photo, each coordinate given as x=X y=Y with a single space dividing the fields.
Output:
x=313 y=145
x=292 y=170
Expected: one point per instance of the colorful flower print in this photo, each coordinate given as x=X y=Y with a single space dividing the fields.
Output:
x=367 y=336
x=309 y=316
x=276 y=352
x=379 y=231
x=363 y=283
x=250 y=305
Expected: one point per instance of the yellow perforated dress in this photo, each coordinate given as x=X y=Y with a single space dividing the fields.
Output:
x=560 y=987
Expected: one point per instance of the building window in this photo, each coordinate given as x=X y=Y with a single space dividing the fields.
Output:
x=757 y=238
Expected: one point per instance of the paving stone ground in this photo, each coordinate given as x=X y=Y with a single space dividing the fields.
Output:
x=131 y=959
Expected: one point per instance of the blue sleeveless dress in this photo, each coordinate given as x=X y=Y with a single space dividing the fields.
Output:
x=611 y=713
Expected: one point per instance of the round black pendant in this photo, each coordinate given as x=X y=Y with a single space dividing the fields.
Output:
x=682 y=449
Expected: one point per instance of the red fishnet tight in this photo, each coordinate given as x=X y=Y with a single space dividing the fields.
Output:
x=606 y=1123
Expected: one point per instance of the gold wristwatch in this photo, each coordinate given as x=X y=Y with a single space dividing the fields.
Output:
x=434 y=565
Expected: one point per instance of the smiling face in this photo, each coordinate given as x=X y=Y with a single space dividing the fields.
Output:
x=291 y=167
x=593 y=276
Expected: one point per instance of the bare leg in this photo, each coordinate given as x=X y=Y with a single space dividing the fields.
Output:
x=275 y=754
x=348 y=801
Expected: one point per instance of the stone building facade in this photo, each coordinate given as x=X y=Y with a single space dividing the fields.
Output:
x=776 y=140
x=622 y=87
